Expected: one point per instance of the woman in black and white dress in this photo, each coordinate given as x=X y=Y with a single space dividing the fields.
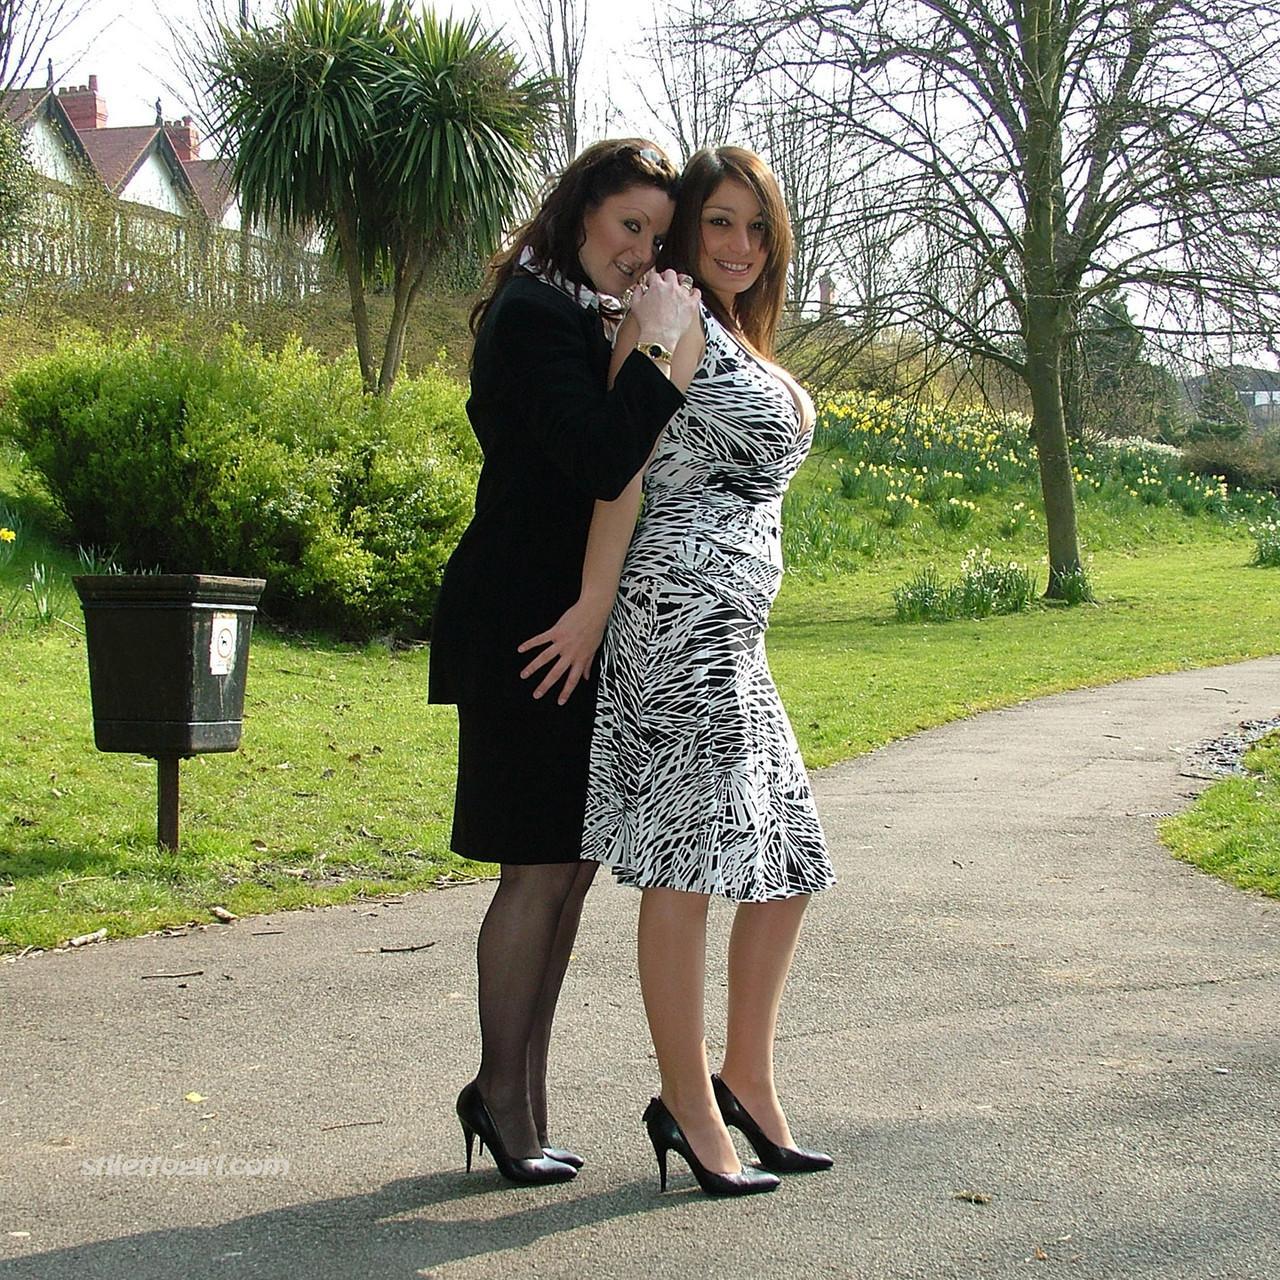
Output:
x=696 y=785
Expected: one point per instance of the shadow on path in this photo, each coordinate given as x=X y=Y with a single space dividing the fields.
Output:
x=358 y=1237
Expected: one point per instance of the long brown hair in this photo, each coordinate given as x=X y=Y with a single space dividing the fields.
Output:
x=555 y=233
x=757 y=311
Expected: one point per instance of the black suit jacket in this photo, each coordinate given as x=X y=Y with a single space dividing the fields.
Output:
x=554 y=440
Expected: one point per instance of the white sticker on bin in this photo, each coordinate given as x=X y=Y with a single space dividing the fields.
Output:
x=222 y=644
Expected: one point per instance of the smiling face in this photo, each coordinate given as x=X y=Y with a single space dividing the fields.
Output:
x=622 y=236
x=733 y=242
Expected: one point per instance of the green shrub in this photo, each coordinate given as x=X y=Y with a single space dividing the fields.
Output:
x=264 y=465
x=923 y=599
x=1016 y=519
x=46 y=593
x=985 y=587
x=1266 y=538
x=1243 y=464
x=899 y=507
x=956 y=513
x=1074 y=586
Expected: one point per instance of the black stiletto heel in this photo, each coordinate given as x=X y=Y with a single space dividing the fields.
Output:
x=666 y=1136
x=477 y=1123
x=770 y=1154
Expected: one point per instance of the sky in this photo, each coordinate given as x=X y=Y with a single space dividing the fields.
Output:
x=127 y=46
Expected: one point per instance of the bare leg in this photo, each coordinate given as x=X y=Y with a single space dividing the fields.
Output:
x=672 y=953
x=552 y=979
x=760 y=951
x=514 y=955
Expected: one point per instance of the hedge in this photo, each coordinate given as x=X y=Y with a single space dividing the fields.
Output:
x=265 y=465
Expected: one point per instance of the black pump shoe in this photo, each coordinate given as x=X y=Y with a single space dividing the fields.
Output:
x=666 y=1136
x=571 y=1158
x=778 y=1159
x=476 y=1122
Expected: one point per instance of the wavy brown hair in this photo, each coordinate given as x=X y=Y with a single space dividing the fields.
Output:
x=756 y=312
x=555 y=232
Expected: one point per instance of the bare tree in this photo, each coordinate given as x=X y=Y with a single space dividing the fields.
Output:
x=28 y=29
x=701 y=96
x=1042 y=154
x=189 y=39
x=812 y=174
x=693 y=92
x=556 y=38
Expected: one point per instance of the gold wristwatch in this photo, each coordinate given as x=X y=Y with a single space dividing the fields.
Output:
x=655 y=351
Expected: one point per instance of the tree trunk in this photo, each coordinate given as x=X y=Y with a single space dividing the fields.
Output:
x=1057 y=484
x=1048 y=304
x=350 y=255
x=1074 y=374
x=409 y=273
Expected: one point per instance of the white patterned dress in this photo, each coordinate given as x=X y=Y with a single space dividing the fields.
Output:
x=696 y=781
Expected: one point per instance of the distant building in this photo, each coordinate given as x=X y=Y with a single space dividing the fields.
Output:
x=166 y=209
x=1258 y=389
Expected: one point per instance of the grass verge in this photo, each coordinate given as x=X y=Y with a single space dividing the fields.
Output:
x=1233 y=829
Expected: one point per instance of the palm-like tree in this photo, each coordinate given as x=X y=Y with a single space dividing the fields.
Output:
x=392 y=133
x=458 y=130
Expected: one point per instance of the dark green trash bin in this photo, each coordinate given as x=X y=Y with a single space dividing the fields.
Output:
x=168 y=658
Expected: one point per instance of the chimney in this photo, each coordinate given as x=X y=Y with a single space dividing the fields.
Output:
x=826 y=294
x=185 y=138
x=83 y=106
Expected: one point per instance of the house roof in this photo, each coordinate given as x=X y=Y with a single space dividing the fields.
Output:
x=1245 y=378
x=211 y=180
x=19 y=104
x=1248 y=378
x=117 y=154
x=24 y=106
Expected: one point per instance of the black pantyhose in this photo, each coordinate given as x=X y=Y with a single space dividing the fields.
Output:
x=522 y=954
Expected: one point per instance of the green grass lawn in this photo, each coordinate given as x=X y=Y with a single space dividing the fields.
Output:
x=853 y=678
x=344 y=782
x=1233 y=829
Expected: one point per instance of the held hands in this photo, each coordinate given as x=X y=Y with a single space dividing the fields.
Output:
x=664 y=307
x=567 y=650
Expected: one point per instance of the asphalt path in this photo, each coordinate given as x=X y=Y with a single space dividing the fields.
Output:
x=1035 y=1043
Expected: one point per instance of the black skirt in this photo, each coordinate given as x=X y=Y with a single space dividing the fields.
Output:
x=522 y=779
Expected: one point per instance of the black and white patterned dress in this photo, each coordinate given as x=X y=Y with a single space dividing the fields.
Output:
x=696 y=781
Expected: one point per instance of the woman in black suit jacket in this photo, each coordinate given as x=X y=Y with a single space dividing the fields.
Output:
x=554 y=439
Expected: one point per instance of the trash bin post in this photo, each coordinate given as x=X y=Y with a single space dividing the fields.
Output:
x=167 y=802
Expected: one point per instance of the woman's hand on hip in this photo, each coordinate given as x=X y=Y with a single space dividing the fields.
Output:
x=567 y=650
x=664 y=307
